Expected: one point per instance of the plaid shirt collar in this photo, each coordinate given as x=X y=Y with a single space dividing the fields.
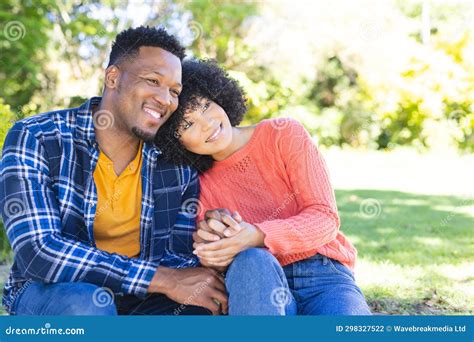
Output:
x=85 y=127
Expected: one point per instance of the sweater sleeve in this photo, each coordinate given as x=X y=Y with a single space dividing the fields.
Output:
x=317 y=222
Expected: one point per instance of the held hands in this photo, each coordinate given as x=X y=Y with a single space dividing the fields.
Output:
x=222 y=235
x=218 y=239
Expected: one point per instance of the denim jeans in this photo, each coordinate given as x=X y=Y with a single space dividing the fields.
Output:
x=258 y=285
x=72 y=299
x=255 y=281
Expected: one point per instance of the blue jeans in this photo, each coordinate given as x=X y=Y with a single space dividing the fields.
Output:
x=258 y=285
x=72 y=299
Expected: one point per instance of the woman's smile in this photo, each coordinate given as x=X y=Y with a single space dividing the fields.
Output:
x=215 y=135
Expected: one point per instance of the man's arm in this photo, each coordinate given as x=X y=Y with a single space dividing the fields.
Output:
x=33 y=224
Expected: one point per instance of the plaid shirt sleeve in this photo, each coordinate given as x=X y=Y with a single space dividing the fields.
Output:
x=33 y=225
x=185 y=224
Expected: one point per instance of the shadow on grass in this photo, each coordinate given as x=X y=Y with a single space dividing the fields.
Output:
x=408 y=229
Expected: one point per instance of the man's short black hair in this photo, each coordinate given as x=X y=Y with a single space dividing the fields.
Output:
x=128 y=42
x=202 y=79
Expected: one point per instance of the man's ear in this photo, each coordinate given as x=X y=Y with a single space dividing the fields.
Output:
x=112 y=77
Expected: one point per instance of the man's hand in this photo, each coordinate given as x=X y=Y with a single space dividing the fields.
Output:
x=221 y=253
x=191 y=286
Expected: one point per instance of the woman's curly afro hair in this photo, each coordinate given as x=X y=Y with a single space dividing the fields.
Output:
x=202 y=79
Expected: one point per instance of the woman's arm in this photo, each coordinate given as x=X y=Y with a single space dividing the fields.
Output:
x=316 y=224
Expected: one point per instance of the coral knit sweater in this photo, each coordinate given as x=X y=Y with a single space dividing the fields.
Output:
x=279 y=182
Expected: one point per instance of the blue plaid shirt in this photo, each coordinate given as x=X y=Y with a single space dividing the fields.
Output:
x=48 y=200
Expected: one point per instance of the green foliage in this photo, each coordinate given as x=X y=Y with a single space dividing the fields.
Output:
x=23 y=43
x=7 y=117
x=266 y=97
x=342 y=107
x=36 y=35
x=6 y=121
x=219 y=30
x=432 y=89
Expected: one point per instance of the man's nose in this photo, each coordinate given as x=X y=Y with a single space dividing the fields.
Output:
x=162 y=96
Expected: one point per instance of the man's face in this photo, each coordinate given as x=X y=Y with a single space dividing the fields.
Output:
x=146 y=91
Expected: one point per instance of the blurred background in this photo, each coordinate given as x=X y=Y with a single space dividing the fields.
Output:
x=386 y=89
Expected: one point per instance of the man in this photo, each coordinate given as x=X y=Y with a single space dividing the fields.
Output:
x=97 y=221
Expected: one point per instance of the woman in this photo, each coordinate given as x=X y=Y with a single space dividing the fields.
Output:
x=283 y=247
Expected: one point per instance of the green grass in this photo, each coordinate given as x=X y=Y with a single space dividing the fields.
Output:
x=416 y=252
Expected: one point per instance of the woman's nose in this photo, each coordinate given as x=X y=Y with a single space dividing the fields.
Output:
x=208 y=123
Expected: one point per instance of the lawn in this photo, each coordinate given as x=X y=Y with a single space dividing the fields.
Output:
x=416 y=252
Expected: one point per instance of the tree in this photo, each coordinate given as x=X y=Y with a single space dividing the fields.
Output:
x=23 y=46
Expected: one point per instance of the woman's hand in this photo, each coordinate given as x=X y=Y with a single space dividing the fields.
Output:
x=239 y=236
x=213 y=227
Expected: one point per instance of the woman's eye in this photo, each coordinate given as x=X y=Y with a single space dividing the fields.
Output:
x=206 y=106
x=187 y=125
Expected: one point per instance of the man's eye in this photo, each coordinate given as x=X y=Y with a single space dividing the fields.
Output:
x=155 y=82
x=175 y=92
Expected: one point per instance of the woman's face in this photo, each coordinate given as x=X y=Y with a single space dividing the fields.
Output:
x=206 y=130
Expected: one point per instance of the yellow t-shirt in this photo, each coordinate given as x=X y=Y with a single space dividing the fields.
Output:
x=117 y=218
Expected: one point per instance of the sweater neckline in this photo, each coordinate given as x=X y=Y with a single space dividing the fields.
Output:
x=239 y=154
